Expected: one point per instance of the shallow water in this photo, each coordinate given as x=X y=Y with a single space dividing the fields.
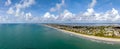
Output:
x=34 y=36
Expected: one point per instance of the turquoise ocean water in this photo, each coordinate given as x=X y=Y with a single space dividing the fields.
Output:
x=35 y=36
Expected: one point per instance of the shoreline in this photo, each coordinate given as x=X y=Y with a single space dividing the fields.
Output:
x=113 y=40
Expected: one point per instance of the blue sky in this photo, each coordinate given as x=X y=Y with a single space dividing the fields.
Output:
x=62 y=11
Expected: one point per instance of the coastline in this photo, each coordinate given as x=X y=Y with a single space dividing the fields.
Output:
x=113 y=40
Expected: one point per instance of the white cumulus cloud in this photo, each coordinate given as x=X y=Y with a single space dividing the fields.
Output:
x=10 y=11
x=28 y=16
x=92 y=4
x=8 y=2
x=67 y=15
x=48 y=16
x=89 y=12
x=17 y=9
x=58 y=6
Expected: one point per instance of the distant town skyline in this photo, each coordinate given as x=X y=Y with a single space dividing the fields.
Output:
x=59 y=11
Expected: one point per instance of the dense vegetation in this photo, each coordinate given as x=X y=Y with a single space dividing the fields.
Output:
x=103 y=31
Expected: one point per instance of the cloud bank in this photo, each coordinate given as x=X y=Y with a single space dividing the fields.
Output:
x=89 y=16
x=63 y=16
x=18 y=12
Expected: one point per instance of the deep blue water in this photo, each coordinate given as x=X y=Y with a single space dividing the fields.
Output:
x=36 y=36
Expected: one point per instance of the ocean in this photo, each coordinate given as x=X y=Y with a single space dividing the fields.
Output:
x=38 y=36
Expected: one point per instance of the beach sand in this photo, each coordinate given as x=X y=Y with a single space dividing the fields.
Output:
x=105 y=39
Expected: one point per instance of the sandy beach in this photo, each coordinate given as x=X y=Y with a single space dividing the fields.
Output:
x=93 y=37
x=114 y=40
